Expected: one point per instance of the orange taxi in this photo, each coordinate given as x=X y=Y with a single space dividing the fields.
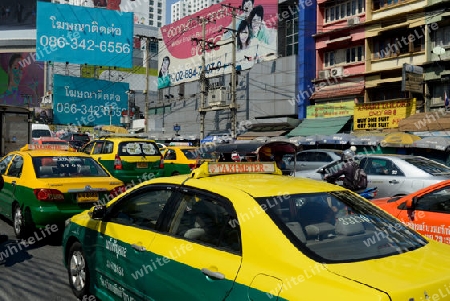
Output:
x=426 y=210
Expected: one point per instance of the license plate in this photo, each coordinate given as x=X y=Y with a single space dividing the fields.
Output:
x=87 y=197
x=142 y=165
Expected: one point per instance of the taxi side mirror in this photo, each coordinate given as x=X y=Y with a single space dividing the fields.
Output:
x=98 y=212
x=411 y=203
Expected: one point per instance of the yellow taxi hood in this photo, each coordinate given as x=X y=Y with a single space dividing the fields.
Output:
x=415 y=275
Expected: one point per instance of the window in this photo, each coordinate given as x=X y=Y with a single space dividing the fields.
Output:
x=441 y=36
x=15 y=169
x=343 y=10
x=292 y=34
x=394 y=43
x=140 y=209
x=4 y=164
x=207 y=220
x=436 y=201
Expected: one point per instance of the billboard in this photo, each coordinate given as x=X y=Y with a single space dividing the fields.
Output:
x=83 y=35
x=255 y=34
x=382 y=114
x=21 y=79
x=87 y=101
x=329 y=110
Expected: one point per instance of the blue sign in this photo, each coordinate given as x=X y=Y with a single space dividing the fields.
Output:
x=83 y=35
x=88 y=102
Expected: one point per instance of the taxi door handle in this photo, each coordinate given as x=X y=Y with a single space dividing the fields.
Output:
x=13 y=183
x=138 y=248
x=213 y=275
x=394 y=182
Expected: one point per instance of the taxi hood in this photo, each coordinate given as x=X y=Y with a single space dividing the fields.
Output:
x=421 y=274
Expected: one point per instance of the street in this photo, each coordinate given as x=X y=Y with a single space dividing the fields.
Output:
x=33 y=270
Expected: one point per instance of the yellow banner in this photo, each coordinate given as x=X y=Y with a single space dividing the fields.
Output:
x=383 y=114
x=328 y=110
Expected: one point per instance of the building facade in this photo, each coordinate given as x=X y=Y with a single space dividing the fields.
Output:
x=184 y=8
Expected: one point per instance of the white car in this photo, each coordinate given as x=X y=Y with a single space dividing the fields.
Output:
x=393 y=174
x=312 y=159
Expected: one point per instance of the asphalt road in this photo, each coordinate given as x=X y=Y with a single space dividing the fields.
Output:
x=33 y=270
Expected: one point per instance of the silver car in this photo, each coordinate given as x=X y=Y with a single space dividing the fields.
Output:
x=312 y=159
x=392 y=174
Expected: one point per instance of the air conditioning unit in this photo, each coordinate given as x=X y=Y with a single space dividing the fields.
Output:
x=338 y=71
x=324 y=74
x=217 y=97
x=353 y=21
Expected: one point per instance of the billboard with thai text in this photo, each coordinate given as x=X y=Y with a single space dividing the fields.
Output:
x=328 y=110
x=382 y=114
x=83 y=35
x=254 y=37
x=87 y=101
x=21 y=79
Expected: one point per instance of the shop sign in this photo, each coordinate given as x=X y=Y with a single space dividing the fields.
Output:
x=383 y=114
x=328 y=110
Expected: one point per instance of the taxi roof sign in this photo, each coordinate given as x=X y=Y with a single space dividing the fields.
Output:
x=57 y=147
x=223 y=168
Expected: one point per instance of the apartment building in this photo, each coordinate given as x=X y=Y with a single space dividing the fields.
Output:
x=185 y=8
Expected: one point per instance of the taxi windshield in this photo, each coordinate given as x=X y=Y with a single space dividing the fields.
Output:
x=193 y=154
x=67 y=166
x=333 y=227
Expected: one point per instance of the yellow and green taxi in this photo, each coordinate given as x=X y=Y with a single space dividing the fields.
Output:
x=242 y=231
x=183 y=159
x=45 y=185
x=128 y=158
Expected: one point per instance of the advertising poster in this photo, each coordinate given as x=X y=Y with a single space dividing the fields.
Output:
x=83 y=35
x=21 y=79
x=382 y=114
x=328 y=110
x=255 y=33
x=88 y=102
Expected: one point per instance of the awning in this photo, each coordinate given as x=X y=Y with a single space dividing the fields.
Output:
x=341 y=39
x=321 y=126
x=337 y=92
x=429 y=121
x=250 y=135
x=377 y=82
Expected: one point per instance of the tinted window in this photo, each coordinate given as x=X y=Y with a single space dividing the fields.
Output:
x=15 y=169
x=138 y=148
x=436 y=201
x=339 y=226
x=40 y=133
x=142 y=208
x=197 y=154
x=64 y=167
x=206 y=220
x=4 y=163
x=429 y=166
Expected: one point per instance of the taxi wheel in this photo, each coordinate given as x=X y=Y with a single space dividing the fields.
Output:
x=19 y=222
x=79 y=277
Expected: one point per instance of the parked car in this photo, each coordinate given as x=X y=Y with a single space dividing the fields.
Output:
x=426 y=210
x=130 y=159
x=76 y=140
x=46 y=186
x=183 y=159
x=242 y=231
x=392 y=174
x=312 y=158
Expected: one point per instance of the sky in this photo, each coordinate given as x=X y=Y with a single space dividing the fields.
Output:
x=168 y=4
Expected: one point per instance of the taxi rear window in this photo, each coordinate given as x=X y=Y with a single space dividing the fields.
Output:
x=138 y=148
x=67 y=166
x=339 y=226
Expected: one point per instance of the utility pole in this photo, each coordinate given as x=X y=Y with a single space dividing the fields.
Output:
x=233 y=105
x=147 y=67
x=203 y=81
